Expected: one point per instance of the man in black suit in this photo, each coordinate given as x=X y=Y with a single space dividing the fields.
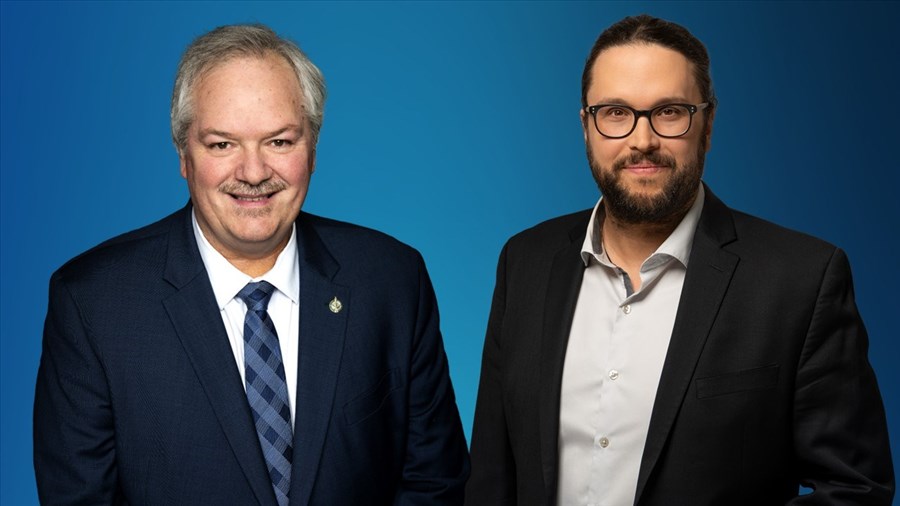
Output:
x=661 y=348
x=241 y=351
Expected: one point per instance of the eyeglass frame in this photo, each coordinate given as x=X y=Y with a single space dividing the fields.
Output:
x=638 y=114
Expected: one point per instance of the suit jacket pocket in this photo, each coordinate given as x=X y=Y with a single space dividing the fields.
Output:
x=370 y=401
x=759 y=378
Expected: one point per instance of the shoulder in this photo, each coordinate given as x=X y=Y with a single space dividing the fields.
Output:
x=758 y=240
x=756 y=235
x=551 y=235
x=387 y=276
x=343 y=238
x=770 y=254
x=138 y=250
x=363 y=254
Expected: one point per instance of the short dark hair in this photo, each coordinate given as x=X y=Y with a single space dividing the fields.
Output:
x=650 y=30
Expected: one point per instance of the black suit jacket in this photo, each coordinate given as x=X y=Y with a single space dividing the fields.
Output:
x=139 y=400
x=766 y=382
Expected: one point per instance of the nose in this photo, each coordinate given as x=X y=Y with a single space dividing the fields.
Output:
x=253 y=167
x=643 y=138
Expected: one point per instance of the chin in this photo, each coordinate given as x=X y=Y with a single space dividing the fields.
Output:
x=643 y=190
x=255 y=233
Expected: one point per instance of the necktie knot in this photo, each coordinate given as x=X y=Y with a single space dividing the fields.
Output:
x=256 y=295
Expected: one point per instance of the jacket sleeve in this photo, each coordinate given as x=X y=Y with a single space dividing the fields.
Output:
x=840 y=432
x=437 y=460
x=493 y=480
x=74 y=444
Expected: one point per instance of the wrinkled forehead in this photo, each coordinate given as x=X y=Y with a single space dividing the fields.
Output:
x=642 y=75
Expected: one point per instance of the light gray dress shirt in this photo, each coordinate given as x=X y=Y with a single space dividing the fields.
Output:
x=614 y=359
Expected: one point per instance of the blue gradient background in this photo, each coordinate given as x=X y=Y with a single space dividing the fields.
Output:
x=448 y=125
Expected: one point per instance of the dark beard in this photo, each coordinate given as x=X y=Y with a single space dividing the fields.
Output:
x=668 y=206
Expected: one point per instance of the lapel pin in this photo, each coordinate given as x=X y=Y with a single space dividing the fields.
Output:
x=335 y=305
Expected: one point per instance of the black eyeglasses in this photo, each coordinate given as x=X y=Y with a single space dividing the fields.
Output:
x=616 y=121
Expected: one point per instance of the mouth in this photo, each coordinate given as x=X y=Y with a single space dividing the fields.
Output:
x=252 y=200
x=253 y=196
x=644 y=168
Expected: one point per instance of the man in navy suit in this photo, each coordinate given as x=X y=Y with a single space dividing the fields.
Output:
x=240 y=351
x=660 y=348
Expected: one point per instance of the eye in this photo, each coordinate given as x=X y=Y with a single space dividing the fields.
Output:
x=281 y=143
x=671 y=112
x=219 y=145
x=613 y=113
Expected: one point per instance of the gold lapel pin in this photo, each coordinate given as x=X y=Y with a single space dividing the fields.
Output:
x=335 y=305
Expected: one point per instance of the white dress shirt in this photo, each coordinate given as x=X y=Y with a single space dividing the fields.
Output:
x=614 y=359
x=284 y=308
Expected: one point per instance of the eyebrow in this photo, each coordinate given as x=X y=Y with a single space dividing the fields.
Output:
x=228 y=135
x=657 y=103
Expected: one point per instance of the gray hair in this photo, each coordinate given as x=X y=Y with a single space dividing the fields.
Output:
x=227 y=42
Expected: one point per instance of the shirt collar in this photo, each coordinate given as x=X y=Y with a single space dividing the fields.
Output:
x=227 y=280
x=677 y=245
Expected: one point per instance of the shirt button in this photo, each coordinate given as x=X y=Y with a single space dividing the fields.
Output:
x=603 y=442
x=627 y=309
x=614 y=375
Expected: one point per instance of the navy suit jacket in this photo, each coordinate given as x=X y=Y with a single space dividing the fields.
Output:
x=765 y=385
x=139 y=400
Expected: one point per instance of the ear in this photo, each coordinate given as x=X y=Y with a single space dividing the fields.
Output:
x=312 y=161
x=584 y=123
x=183 y=163
x=707 y=130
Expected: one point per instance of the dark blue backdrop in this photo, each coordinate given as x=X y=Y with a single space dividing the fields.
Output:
x=449 y=125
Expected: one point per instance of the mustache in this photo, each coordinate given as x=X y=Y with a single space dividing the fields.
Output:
x=248 y=190
x=654 y=158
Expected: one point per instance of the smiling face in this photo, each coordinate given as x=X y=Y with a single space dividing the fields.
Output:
x=646 y=178
x=248 y=157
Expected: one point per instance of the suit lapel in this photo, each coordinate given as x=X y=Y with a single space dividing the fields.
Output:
x=563 y=288
x=709 y=273
x=195 y=316
x=322 y=330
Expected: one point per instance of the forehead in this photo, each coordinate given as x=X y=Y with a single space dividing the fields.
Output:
x=249 y=87
x=641 y=75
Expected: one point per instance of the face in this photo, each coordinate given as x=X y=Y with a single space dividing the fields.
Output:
x=248 y=157
x=646 y=178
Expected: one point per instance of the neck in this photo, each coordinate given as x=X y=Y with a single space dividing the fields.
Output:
x=254 y=264
x=629 y=244
x=253 y=260
x=254 y=267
